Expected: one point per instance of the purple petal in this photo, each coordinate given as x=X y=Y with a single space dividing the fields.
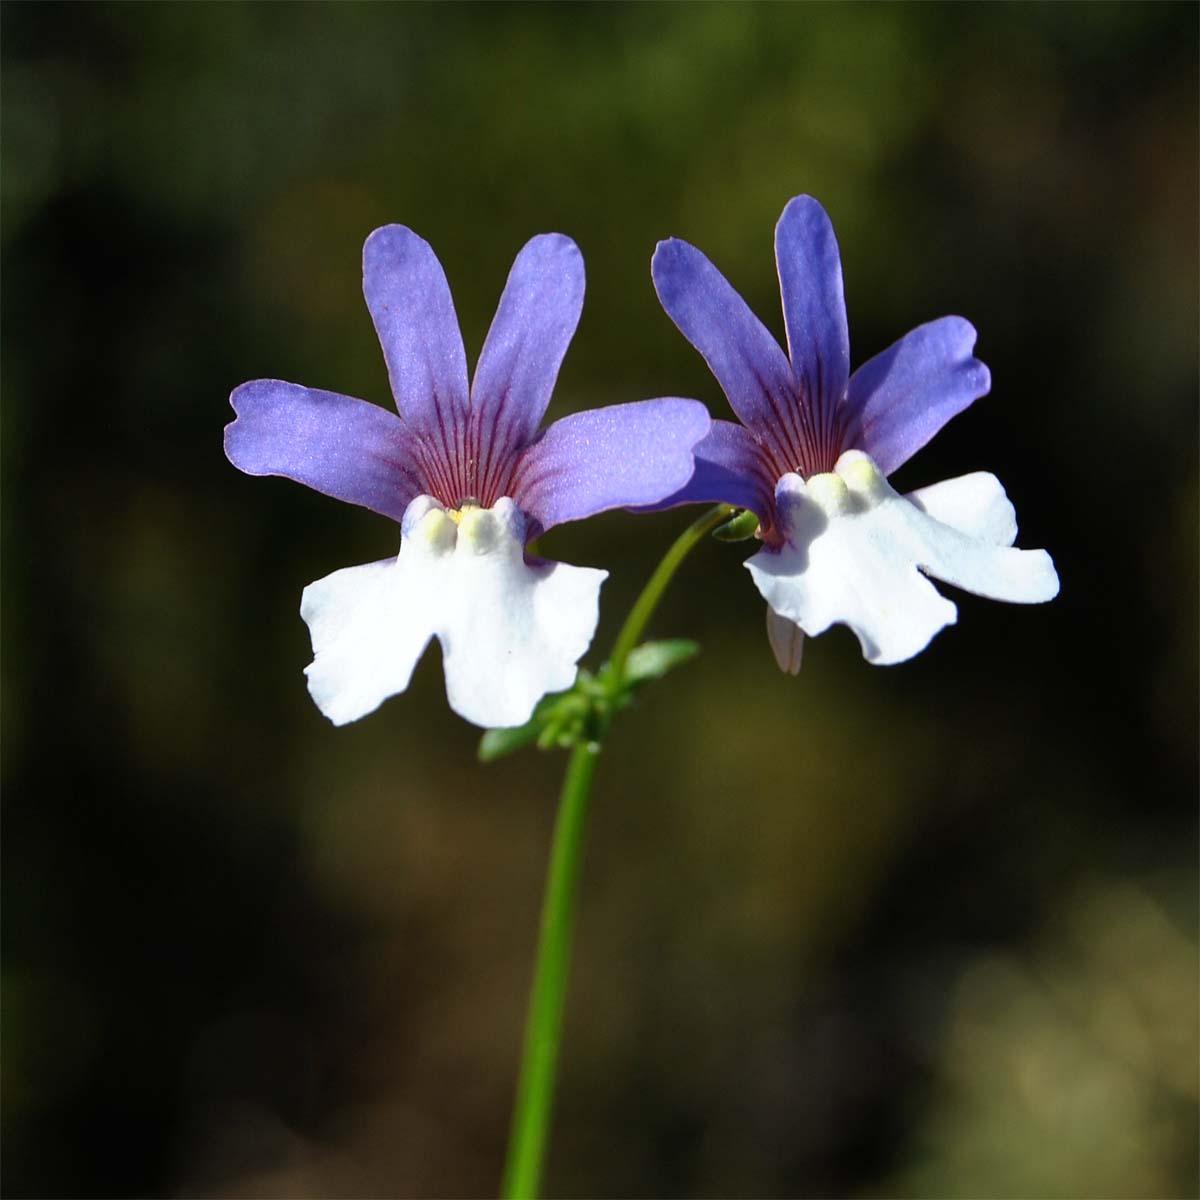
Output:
x=899 y=399
x=414 y=316
x=346 y=448
x=624 y=456
x=814 y=310
x=533 y=326
x=730 y=469
x=740 y=352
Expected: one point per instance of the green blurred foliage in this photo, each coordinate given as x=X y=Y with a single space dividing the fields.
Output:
x=920 y=931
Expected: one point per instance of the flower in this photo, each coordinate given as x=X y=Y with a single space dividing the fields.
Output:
x=471 y=480
x=815 y=447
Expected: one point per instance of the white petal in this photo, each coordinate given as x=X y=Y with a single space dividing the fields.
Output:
x=369 y=626
x=787 y=641
x=840 y=576
x=976 y=505
x=510 y=631
x=856 y=551
x=516 y=634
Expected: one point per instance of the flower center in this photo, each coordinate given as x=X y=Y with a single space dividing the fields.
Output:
x=469 y=529
x=855 y=485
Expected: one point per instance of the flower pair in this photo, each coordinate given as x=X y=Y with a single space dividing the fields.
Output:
x=472 y=480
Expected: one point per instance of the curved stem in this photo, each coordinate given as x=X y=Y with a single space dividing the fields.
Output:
x=652 y=593
x=543 y=1024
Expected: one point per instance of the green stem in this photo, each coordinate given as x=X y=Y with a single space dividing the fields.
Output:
x=543 y=1025
x=652 y=593
x=543 y=1028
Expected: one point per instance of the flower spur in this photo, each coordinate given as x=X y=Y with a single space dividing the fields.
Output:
x=471 y=480
x=815 y=447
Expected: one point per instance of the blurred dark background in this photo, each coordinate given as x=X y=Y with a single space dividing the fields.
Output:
x=923 y=931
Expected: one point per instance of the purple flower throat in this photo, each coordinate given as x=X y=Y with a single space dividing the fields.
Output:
x=462 y=461
x=808 y=435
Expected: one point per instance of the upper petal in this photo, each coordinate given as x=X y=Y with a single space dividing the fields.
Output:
x=730 y=469
x=899 y=399
x=814 y=310
x=409 y=300
x=519 y=364
x=747 y=361
x=343 y=447
x=623 y=456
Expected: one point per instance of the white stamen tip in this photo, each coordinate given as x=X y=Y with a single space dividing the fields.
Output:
x=479 y=530
x=861 y=475
x=435 y=532
x=829 y=491
x=416 y=511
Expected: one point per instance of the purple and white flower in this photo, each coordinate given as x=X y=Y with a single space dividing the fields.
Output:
x=816 y=444
x=471 y=481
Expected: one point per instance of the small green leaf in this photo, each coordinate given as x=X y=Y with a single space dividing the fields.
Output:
x=652 y=660
x=496 y=743
x=557 y=721
x=739 y=528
